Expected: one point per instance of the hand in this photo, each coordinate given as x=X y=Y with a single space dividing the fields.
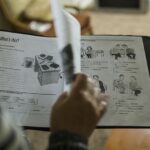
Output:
x=80 y=110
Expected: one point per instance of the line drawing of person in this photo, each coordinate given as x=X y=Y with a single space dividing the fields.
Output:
x=99 y=83
x=119 y=84
x=89 y=52
x=82 y=52
x=123 y=50
x=130 y=53
x=99 y=52
x=116 y=51
x=122 y=53
x=133 y=86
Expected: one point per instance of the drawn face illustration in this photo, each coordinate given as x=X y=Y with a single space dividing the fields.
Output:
x=89 y=49
x=122 y=51
x=124 y=46
x=117 y=46
x=121 y=77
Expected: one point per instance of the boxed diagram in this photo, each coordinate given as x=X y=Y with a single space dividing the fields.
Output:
x=48 y=70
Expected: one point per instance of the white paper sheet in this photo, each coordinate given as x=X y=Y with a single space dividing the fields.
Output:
x=68 y=39
x=29 y=81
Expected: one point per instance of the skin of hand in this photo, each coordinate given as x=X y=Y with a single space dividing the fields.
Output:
x=80 y=110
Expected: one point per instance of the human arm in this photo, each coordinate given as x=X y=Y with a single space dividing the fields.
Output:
x=75 y=115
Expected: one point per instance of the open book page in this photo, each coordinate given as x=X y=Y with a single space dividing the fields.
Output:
x=30 y=77
x=119 y=68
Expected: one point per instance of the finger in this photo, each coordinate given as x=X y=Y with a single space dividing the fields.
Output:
x=102 y=97
x=97 y=93
x=91 y=83
x=77 y=75
x=103 y=103
x=98 y=96
x=62 y=97
x=102 y=108
x=83 y=82
x=80 y=81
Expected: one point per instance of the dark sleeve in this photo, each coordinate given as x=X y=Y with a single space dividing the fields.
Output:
x=64 y=140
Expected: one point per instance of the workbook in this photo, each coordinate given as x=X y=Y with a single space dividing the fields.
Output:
x=31 y=77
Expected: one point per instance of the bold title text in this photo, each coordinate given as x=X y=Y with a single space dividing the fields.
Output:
x=2 y=38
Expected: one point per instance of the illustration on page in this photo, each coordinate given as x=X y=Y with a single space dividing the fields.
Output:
x=48 y=71
x=118 y=68
x=121 y=51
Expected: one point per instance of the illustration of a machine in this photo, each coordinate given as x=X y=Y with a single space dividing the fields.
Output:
x=48 y=70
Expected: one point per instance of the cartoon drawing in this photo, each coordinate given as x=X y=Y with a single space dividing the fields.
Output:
x=115 y=51
x=119 y=84
x=99 y=83
x=82 y=53
x=130 y=53
x=134 y=87
x=99 y=53
x=122 y=51
x=89 y=52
